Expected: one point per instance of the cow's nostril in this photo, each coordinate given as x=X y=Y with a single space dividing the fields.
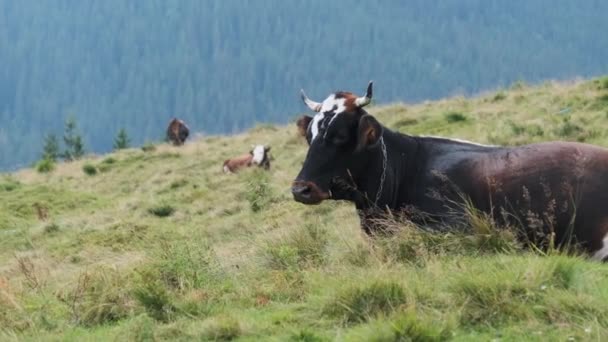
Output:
x=301 y=190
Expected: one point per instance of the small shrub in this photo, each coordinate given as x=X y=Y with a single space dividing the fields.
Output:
x=51 y=228
x=602 y=83
x=104 y=168
x=564 y=272
x=359 y=304
x=50 y=149
x=32 y=275
x=516 y=128
x=535 y=130
x=494 y=301
x=570 y=306
x=359 y=255
x=45 y=165
x=302 y=248
x=519 y=85
x=108 y=160
x=499 y=96
x=282 y=257
x=153 y=296
x=106 y=164
x=89 y=169
x=453 y=117
x=414 y=245
x=487 y=236
x=178 y=183
x=9 y=184
x=148 y=147
x=100 y=297
x=75 y=259
x=141 y=329
x=306 y=336
x=12 y=315
x=186 y=265
x=405 y=122
x=283 y=286
x=602 y=101
x=224 y=328
x=162 y=210
x=567 y=128
x=259 y=193
x=122 y=140
x=408 y=326
x=196 y=303
x=74 y=146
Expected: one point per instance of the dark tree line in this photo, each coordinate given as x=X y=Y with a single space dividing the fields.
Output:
x=224 y=65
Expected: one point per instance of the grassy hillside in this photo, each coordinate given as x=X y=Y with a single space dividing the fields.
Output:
x=160 y=245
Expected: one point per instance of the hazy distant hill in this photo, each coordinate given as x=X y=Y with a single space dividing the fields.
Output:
x=223 y=65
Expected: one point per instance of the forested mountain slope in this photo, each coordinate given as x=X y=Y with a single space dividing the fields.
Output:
x=224 y=65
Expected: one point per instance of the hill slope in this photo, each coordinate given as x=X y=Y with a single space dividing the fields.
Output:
x=160 y=244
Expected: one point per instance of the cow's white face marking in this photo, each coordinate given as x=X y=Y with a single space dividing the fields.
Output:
x=258 y=154
x=330 y=106
x=602 y=253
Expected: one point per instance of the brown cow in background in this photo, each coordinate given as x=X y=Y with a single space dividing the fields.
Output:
x=303 y=123
x=177 y=132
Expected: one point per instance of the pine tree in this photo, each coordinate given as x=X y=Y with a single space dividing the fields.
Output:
x=50 y=149
x=122 y=140
x=74 y=147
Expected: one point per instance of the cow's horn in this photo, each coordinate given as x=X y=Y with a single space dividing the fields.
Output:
x=365 y=100
x=314 y=106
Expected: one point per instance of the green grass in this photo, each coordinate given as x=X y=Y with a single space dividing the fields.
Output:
x=161 y=245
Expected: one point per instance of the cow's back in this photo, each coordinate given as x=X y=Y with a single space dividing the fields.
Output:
x=557 y=187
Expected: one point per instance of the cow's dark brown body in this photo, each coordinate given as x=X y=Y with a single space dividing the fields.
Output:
x=554 y=187
x=177 y=132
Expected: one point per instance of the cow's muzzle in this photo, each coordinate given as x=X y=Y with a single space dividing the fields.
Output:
x=308 y=192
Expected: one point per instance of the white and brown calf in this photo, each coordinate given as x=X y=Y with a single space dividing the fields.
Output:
x=258 y=156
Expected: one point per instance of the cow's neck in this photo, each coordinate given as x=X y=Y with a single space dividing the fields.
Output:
x=389 y=184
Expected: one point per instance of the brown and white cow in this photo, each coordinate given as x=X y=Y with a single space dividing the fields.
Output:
x=177 y=132
x=551 y=189
x=258 y=156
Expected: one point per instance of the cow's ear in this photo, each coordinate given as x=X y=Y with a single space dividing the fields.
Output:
x=369 y=132
x=303 y=123
x=266 y=149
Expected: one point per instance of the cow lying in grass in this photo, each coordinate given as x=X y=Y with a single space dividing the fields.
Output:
x=258 y=156
x=555 y=190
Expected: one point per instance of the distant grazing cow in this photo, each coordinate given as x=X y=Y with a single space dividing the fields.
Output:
x=302 y=124
x=177 y=132
x=257 y=156
x=557 y=189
